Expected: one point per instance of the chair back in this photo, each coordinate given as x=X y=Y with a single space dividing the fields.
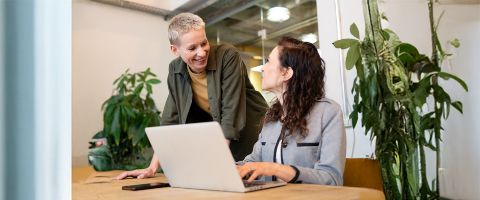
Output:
x=362 y=172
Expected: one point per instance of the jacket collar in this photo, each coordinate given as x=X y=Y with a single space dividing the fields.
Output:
x=181 y=66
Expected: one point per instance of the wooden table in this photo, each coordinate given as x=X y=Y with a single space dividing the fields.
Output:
x=88 y=184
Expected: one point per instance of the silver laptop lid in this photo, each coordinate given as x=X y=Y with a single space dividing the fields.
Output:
x=195 y=156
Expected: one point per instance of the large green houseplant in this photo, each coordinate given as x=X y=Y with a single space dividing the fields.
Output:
x=122 y=144
x=393 y=89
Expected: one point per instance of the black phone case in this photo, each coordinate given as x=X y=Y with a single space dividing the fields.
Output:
x=145 y=186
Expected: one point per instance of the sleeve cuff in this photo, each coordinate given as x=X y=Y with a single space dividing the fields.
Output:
x=230 y=132
x=297 y=173
x=240 y=163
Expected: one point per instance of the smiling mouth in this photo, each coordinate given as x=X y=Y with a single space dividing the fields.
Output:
x=200 y=60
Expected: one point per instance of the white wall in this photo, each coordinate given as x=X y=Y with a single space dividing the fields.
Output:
x=338 y=80
x=461 y=147
x=409 y=19
x=106 y=41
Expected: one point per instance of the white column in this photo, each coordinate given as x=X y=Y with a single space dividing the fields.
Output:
x=334 y=19
x=36 y=99
x=329 y=31
x=52 y=41
x=19 y=120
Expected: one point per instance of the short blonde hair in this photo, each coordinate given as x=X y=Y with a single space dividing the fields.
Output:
x=183 y=23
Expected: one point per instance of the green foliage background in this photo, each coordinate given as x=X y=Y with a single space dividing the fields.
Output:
x=126 y=114
x=392 y=89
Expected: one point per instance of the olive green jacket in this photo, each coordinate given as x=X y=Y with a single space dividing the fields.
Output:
x=234 y=103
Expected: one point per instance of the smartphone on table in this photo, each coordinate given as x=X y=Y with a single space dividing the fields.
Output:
x=145 y=186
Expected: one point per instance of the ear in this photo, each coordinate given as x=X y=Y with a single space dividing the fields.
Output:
x=174 y=49
x=287 y=74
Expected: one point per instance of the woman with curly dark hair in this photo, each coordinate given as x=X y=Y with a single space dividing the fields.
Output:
x=303 y=138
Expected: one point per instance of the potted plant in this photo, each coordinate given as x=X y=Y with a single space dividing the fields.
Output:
x=123 y=144
x=391 y=89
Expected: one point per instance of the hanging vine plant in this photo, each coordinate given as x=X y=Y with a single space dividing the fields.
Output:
x=392 y=89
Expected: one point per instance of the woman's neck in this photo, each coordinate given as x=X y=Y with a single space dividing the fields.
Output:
x=279 y=93
x=195 y=72
x=280 y=98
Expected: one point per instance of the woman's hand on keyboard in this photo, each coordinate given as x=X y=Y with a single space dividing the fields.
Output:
x=256 y=169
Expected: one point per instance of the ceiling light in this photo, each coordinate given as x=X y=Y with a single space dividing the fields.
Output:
x=257 y=57
x=309 y=37
x=278 y=14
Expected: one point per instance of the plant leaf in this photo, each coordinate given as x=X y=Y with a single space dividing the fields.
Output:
x=446 y=76
x=153 y=81
x=458 y=105
x=133 y=131
x=385 y=35
x=407 y=48
x=150 y=73
x=149 y=89
x=138 y=89
x=440 y=95
x=372 y=89
x=455 y=43
x=115 y=128
x=421 y=92
x=427 y=121
x=345 y=43
x=353 y=55
x=383 y=16
x=360 y=70
x=354 y=117
x=447 y=111
x=354 y=30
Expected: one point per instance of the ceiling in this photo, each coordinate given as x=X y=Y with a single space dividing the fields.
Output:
x=238 y=22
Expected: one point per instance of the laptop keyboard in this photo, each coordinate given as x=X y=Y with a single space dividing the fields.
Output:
x=254 y=183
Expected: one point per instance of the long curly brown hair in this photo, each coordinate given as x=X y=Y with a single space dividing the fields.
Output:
x=304 y=88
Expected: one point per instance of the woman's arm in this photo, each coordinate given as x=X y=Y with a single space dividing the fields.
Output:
x=170 y=113
x=328 y=169
x=256 y=155
x=255 y=169
x=233 y=102
x=148 y=172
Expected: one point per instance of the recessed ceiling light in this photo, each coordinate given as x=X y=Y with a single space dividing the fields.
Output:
x=257 y=57
x=278 y=14
x=309 y=37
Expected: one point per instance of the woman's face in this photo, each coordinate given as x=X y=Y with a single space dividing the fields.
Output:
x=274 y=75
x=193 y=48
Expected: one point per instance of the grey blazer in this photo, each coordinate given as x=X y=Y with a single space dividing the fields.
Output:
x=319 y=158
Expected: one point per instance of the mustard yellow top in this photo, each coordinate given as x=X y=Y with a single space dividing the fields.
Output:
x=199 y=89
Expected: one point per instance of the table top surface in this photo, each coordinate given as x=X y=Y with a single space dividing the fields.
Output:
x=88 y=184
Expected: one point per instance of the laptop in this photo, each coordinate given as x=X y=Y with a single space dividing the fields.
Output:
x=196 y=156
